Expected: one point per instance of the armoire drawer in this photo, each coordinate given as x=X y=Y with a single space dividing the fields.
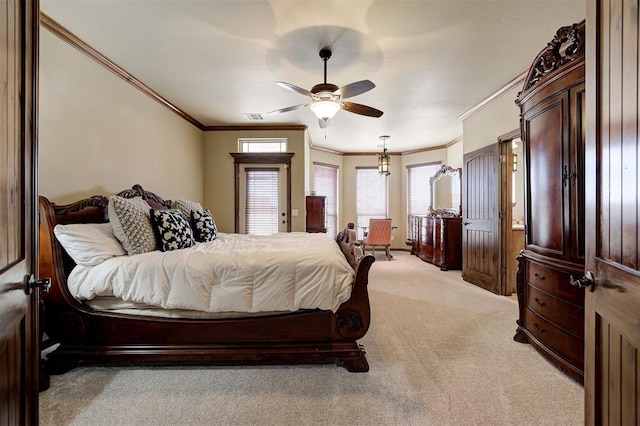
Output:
x=554 y=282
x=561 y=313
x=564 y=344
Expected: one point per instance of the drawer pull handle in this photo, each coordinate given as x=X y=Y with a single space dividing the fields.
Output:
x=539 y=277
x=538 y=328
x=539 y=302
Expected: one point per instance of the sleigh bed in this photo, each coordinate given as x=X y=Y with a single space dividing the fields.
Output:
x=86 y=333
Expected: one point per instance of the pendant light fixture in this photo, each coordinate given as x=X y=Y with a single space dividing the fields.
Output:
x=384 y=160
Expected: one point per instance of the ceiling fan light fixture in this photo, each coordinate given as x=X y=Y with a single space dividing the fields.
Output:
x=326 y=109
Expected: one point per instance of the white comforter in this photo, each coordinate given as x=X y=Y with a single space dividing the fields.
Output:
x=234 y=273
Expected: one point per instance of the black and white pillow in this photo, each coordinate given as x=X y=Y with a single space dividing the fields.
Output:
x=203 y=225
x=172 y=229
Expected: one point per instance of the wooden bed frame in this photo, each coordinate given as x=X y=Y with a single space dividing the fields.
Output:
x=87 y=336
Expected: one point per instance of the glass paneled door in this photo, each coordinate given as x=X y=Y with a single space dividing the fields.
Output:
x=263 y=200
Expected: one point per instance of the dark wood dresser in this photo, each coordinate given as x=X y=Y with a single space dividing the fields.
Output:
x=440 y=241
x=551 y=304
x=316 y=217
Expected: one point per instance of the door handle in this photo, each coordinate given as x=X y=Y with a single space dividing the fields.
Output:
x=583 y=282
x=589 y=280
x=467 y=223
x=29 y=284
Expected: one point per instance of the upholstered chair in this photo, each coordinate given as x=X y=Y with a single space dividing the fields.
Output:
x=379 y=235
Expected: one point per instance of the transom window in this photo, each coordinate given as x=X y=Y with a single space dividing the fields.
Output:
x=262 y=145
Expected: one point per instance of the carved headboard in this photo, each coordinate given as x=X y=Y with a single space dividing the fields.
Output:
x=53 y=261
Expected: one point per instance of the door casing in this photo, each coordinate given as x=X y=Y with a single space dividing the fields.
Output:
x=265 y=158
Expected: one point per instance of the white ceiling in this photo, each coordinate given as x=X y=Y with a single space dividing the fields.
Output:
x=430 y=60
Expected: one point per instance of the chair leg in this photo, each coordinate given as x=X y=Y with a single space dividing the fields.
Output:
x=388 y=250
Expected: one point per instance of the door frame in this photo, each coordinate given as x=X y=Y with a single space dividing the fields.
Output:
x=505 y=209
x=240 y=158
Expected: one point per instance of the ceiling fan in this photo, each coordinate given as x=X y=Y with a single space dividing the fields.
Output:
x=327 y=98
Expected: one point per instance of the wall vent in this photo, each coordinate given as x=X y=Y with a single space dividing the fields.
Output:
x=253 y=116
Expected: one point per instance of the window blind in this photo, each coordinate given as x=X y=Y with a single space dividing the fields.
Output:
x=372 y=198
x=325 y=182
x=261 y=208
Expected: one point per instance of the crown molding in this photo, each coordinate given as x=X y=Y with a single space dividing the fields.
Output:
x=64 y=34
x=519 y=80
x=328 y=150
x=256 y=127
x=363 y=154
x=454 y=141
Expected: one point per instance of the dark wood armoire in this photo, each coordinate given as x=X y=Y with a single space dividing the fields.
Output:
x=316 y=215
x=551 y=300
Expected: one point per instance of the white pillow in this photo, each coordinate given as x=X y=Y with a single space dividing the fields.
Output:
x=89 y=244
x=132 y=224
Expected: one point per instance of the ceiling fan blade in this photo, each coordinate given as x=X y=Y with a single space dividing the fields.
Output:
x=287 y=109
x=323 y=123
x=294 y=88
x=354 y=89
x=361 y=109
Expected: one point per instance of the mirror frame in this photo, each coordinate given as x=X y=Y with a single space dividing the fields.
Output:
x=445 y=171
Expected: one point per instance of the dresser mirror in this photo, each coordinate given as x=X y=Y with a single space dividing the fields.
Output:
x=446 y=192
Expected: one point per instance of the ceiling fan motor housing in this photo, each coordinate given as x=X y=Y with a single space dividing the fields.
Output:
x=325 y=53
x=324 y=87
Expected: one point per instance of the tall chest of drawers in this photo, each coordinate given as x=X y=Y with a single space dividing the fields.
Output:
x=552 y=311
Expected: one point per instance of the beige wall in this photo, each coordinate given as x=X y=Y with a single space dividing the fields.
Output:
x=455 y=155
x=498 y=117
x=219 y=192
x=98 y=135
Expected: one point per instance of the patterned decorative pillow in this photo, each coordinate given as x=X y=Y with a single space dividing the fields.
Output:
x=186 y=207
x=172 y=229
x=203 y=225
x=131 y=224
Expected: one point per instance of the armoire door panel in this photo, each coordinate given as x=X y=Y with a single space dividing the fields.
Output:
x=547 y=188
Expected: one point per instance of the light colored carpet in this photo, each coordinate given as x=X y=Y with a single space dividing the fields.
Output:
x=440 y=350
